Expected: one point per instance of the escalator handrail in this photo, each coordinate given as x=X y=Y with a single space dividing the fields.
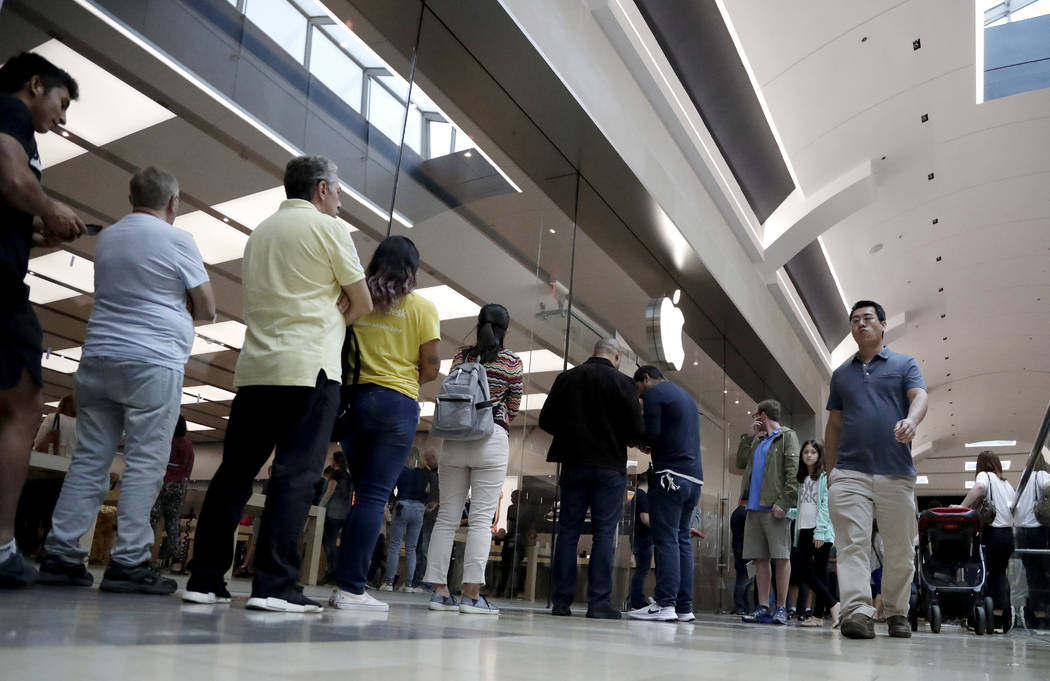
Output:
x=1037 y=451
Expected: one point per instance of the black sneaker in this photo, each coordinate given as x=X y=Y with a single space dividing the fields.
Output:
x=604 y=612
x=294 y=603
x=560 y=610
x=16 y=572
x=57 y=572
x=136 y=579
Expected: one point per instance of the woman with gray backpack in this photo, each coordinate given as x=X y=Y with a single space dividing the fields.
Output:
x=477 y=402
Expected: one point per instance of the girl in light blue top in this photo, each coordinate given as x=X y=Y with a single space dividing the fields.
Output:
x=814 y=535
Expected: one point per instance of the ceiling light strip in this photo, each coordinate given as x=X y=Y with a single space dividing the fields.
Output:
x=834 y=274
x=757 y=87
x=217 y=96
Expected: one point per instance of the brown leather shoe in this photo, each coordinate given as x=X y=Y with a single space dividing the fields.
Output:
x=858 y=625
x=899 y=627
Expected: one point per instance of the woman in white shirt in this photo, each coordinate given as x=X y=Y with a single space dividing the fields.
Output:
x=58 y=429
x=997 y=538
x=1032 y=535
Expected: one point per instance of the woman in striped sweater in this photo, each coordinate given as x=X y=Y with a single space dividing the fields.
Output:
x=477 y=465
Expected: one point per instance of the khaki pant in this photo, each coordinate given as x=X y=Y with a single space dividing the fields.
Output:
x=854 y=501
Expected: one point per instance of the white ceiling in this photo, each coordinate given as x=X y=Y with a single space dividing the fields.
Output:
x=844 y=85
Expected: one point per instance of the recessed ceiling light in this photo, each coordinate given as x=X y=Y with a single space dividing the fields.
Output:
x=193 y=394
x=539 y=361
x=935 y=221
x=925 y=117
x=875 y=249
x=56 y=362
x=203 y=347
x=736 y=401
x=930 y=176
x=42 y=291
x=725 y=392
x=344 y=45
x=922 y=480
x=450 y=303
x=696 y=364
x=218 y=242
x=65 y=133
x=992 y=443
x=252 y=209
x=552 y=230
x=228 y=333
x=55 y=149
x=467 y=154
x=533 y=401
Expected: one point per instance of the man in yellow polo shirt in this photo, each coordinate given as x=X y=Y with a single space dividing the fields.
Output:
x=302 y=286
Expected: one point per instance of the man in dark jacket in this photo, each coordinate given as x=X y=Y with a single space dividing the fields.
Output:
x=593 y=413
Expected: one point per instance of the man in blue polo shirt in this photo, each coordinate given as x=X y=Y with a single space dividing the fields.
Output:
x=877 y=400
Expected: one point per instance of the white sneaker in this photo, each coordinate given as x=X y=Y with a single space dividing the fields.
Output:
x=386 y=587
x=344 y=600
x=407 y=589
x=203 y=598
x=686 y=617
x=280 y=605
x=655 y=613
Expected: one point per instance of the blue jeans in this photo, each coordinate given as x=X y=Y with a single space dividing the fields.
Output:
x=643 y=560
x=742 y=600
x=602 y=490
x=670 y=512
x=116 y=397
x=383 y=425
x=404 y=528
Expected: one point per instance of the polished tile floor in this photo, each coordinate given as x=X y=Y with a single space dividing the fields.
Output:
x=82 y=635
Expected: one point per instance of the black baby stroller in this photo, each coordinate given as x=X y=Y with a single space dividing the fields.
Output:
x=949 y=575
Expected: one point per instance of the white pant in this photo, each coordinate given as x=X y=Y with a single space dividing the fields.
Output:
x=479 y=466
x=854 y=500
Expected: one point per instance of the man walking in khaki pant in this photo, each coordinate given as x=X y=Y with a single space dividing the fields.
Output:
x=877 y=400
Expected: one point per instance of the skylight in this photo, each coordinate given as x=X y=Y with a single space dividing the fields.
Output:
x=42 y=291
x=450 y=304
x=217 y=241
x=93 y=116
x=200 y=393
x=229 y=333
x=67 y=268
x=539 y=361
x=252 y=209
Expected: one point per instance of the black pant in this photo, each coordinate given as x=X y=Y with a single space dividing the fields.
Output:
x=602 y=491
x=1036 y=566
x=998 y=547
x=33 y=517
x=811 y=566
x=297 y=421
x=332 y=527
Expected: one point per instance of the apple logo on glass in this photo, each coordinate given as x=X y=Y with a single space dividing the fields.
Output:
x=665 y=322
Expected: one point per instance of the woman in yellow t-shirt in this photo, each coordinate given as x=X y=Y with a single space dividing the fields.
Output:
x=399 y=352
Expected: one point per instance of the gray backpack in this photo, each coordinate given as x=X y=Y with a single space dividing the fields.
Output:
x=464 y=406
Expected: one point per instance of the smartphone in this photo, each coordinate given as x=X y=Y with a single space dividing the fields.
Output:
x=93 y=229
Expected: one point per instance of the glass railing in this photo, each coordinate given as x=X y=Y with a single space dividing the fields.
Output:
x=1029 y=571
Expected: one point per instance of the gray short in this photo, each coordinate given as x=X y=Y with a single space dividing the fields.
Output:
x=766 y=536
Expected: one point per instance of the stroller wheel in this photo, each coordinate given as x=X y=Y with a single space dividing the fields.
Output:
x=913 y=612
x=935 y=619
x=979 y=621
